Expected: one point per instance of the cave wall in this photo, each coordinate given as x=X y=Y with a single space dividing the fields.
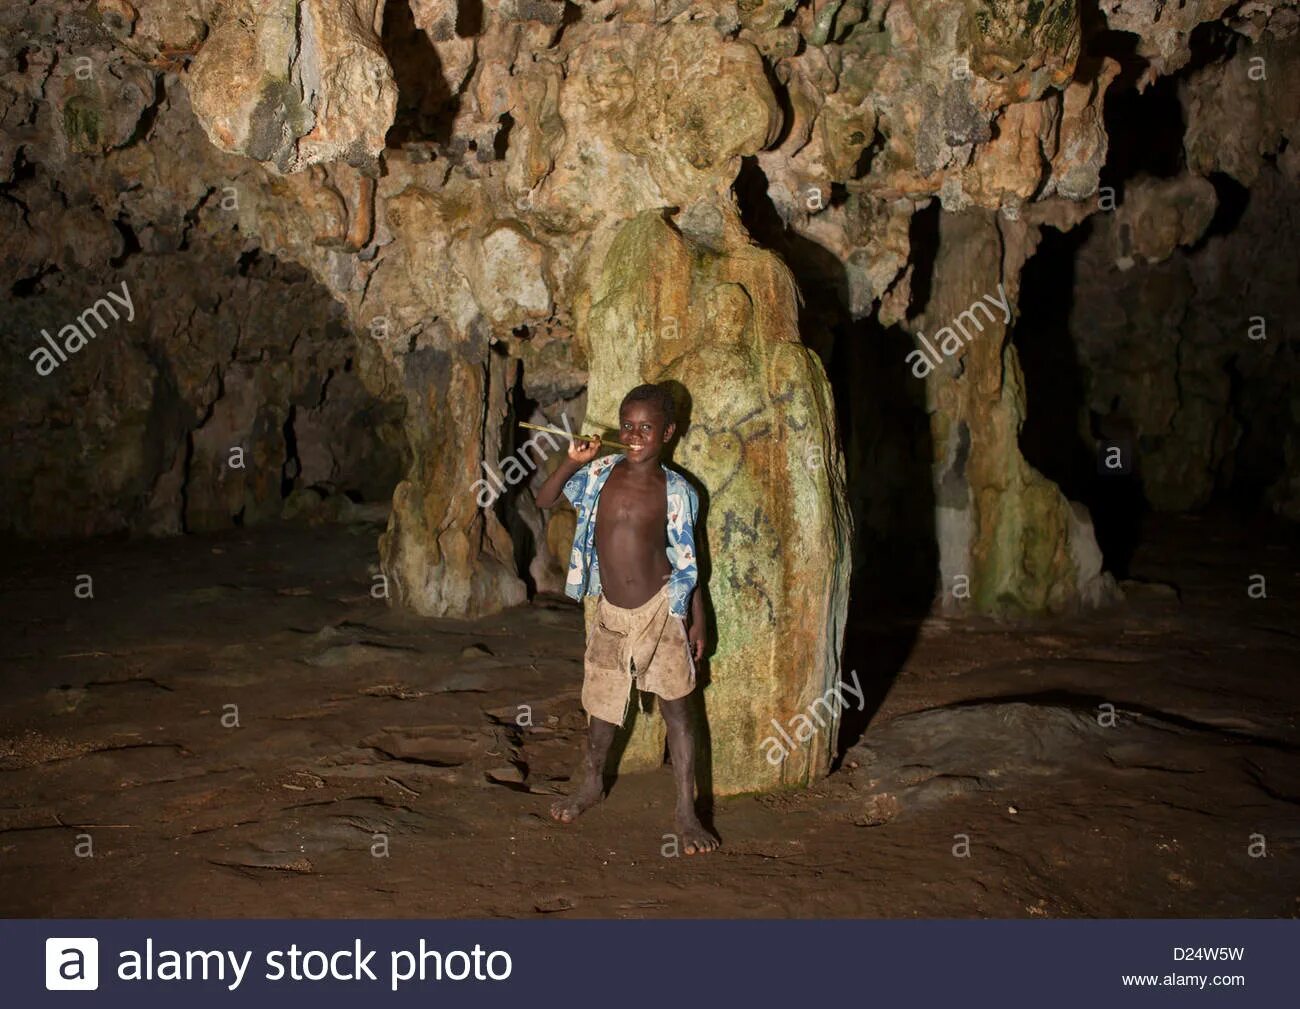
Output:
x=209 y=389
x=1009 y=540
x=522 y=209
x=1185 y=293
x=229 y=391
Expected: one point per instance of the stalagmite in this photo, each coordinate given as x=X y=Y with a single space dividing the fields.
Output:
x=760 y=445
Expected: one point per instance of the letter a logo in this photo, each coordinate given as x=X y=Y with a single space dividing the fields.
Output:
x=72 y=964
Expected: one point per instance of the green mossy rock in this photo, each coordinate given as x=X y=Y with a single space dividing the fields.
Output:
x=760 y=446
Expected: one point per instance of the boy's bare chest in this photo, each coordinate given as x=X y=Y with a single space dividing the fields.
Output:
x=625 y=502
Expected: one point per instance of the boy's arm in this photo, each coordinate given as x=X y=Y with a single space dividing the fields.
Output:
x=695 y=628
x=697 y=606
x=581 y=452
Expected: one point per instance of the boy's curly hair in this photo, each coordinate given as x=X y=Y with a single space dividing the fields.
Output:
x=656 y=395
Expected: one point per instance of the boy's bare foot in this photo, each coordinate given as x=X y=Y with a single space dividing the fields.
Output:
x=600 y=736
x=569 y=809
x=695 y=839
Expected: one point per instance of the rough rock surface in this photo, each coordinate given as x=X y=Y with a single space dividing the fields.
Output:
x=759 y=442
x=295 y=82
x=1184 y=299
x=461 y=179
x=1009 y=541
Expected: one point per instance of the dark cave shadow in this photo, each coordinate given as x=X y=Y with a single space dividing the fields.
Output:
x=1064 y=436
x=426 y=109
x=469 y=18
x=1051 y=439
x=884 y=431
x=507 y=505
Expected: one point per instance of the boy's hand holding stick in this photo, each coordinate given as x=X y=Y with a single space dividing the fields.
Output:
x=582 y=449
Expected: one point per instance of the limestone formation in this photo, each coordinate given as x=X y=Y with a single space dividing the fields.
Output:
x=759 y=442
x=371 y=235
x=295 y=82
x=1181 y=326
x=1009 y=540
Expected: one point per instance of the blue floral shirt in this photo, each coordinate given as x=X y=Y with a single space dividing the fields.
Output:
x=583 y=491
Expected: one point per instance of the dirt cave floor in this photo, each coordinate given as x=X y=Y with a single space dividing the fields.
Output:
x=1139 y=761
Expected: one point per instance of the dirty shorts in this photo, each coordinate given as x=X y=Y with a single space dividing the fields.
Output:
x=647 y=644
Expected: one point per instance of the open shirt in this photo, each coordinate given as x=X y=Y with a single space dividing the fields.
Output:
x=583 y=491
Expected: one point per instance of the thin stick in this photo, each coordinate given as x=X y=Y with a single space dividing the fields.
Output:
x=604 y=444
x=553 y=430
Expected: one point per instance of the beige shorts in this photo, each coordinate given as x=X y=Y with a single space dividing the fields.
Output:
x=646 y=644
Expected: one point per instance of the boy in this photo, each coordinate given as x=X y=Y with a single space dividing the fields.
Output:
x=640 y=560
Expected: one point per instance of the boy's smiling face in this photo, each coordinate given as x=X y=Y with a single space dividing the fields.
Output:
x=643 y=430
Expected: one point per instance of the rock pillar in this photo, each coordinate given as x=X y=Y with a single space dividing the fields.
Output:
x=716 y=316
x=1009 y=540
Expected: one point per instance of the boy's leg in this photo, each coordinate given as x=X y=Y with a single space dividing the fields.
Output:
x=591 y=787
x=681 y=745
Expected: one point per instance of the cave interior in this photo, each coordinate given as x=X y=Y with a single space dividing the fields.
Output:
x=981 y=322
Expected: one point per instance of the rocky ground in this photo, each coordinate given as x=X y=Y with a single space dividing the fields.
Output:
x=379 y=767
